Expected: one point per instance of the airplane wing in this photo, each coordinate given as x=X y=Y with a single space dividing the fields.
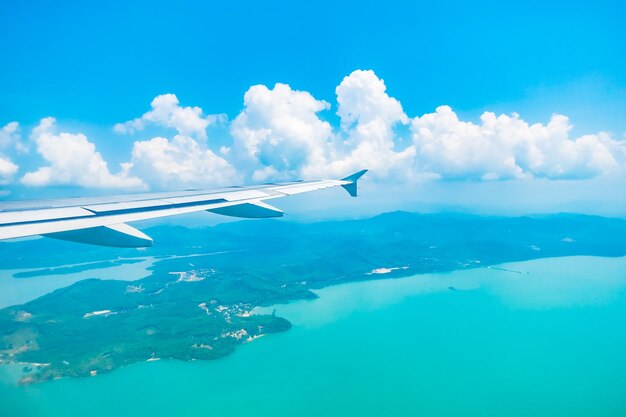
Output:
x=102 y=220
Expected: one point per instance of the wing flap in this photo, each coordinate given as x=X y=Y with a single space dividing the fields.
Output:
x=251 y=210
x=117 y=235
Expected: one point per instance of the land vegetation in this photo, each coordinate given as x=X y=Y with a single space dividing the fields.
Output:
x=197 y=301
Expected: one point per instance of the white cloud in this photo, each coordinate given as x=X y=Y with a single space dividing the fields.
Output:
x=362 y=98
x=368 y=117
x=280 y=132
x=9 y=134
x=503 y=147
x=167 y=112
x=7 y=170
x=10 y=138
x=73 y=160
x=179 y=162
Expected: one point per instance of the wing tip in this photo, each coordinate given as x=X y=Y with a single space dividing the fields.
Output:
x=351 y=186
x=355 y=177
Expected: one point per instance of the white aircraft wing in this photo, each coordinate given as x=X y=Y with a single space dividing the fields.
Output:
x=102 y=220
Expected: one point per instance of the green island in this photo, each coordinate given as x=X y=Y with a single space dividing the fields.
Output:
x=197 y=302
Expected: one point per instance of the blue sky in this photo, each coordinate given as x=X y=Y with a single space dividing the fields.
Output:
x=92 y=66
x=100 y=64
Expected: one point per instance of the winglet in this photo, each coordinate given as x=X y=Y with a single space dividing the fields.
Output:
x=351 y=186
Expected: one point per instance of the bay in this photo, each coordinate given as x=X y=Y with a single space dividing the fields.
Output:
x=542 y=338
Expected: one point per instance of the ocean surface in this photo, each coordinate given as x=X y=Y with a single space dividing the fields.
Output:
x=17 y=290
x=539 y=338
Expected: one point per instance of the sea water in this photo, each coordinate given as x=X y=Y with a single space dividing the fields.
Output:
x=542 y=338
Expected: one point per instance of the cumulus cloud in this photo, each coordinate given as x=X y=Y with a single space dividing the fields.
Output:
x=280 y=132
x=9 y=134
x=503 y=147
x=73 y=160
x=363 y=98
x=283 y=133
x=368 y=117
x=167 y=112
x=10 y=138
x=181 y=161
x=7 y=170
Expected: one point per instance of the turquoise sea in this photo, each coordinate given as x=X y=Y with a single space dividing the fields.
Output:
x=540 y=338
